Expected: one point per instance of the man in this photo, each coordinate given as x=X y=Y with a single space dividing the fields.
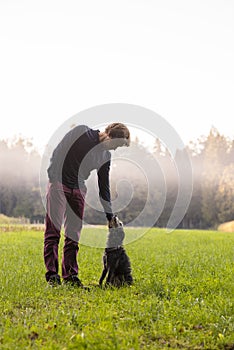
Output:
x=81 y=150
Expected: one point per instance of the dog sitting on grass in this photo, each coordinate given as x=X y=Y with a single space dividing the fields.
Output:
x=116 y=263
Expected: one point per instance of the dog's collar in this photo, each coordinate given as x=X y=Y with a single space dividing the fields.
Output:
x=113 y=248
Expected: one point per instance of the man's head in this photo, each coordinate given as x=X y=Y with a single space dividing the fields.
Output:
x=116 y=135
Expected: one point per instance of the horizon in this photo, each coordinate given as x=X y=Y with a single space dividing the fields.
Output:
x=145 y=139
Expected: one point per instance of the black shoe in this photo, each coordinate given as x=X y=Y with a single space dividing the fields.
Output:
x=74 y=281
x=54 y=280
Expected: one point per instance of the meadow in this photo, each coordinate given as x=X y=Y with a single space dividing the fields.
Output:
x=182 y=297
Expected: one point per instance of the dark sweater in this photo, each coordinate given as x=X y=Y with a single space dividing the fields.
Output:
x=76 y=156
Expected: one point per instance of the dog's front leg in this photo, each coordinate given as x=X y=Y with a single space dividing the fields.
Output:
x=104 y=272
x=111 y=275
x=105 y=269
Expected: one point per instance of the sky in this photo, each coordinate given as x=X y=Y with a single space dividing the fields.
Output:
x=61 y=57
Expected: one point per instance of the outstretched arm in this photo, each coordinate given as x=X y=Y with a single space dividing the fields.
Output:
x=104 y=189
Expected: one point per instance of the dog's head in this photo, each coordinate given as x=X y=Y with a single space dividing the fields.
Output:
x=115 y=222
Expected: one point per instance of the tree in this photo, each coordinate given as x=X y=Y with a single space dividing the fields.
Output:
x=157 y=148
x=225 y=195
x=19 y=175
x=215 y=158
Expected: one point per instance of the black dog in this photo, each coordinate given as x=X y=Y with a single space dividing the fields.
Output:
x=115 y=260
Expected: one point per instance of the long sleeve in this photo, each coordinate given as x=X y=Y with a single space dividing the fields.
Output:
x=104 y=189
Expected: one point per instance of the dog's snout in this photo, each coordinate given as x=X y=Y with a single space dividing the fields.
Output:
x=118 y=223
x=115 y=222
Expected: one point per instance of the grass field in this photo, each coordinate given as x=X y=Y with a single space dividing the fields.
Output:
x=182 y=297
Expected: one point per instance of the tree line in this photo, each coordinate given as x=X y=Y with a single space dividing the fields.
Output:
x=141 y=180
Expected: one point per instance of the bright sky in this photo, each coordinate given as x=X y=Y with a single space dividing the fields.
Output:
x=61 y=57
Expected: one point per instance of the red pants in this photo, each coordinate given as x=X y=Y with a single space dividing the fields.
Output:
x=63 y=205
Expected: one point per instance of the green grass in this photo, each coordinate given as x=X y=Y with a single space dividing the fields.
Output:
x=182 y=297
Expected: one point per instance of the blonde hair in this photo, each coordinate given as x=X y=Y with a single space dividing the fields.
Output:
x=118 y=130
